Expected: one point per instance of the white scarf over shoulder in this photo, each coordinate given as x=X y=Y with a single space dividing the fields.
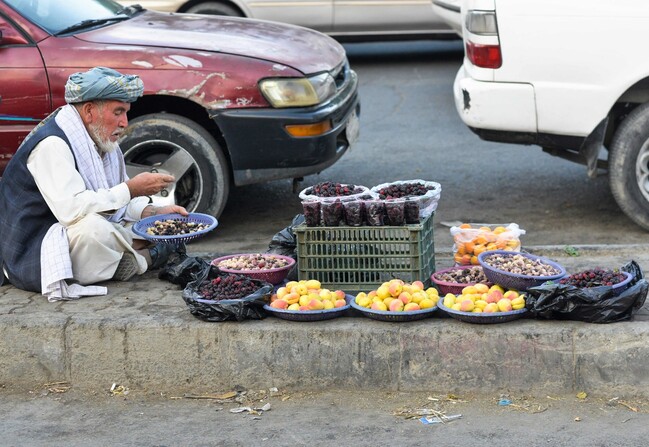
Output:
x=97 y=173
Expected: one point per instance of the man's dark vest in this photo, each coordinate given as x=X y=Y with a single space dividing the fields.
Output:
x=24 y=215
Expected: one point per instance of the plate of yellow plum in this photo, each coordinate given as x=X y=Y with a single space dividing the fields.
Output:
x=307 y=300
x=480 y=303
x=397 y=300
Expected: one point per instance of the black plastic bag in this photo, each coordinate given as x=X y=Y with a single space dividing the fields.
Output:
x=593 y=305
x=184 y=270
x=285 y=243
x=250 y=307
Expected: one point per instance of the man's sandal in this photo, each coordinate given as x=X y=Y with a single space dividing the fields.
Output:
x=127 y=267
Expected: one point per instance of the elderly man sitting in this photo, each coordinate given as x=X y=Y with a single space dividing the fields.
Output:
x=67 y=203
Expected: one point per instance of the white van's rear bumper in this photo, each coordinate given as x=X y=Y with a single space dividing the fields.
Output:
x=495 y=105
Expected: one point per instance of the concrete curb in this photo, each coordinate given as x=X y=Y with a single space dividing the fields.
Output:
x=142 y=336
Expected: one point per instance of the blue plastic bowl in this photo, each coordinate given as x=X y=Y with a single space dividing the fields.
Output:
x=141 y=226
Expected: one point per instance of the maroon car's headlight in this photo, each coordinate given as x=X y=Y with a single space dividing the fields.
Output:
x=298 y=92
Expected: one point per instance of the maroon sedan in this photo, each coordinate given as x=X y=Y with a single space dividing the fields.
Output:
x=227 y=101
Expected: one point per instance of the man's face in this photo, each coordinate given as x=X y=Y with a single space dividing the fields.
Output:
x=108 y=123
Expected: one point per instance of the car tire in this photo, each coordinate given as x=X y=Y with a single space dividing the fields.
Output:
x=628 y=166
x=214 y=8
x=176 y=145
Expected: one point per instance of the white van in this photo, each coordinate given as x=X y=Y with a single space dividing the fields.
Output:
x=569 y=76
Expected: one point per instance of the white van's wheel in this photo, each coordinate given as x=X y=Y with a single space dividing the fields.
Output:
x=628 y=167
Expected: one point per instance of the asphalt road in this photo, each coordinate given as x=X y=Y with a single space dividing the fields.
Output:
x=409 y=130
x=320 y=418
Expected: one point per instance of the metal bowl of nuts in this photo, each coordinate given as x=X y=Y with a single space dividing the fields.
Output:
x=454 y=279
x=175 y=228
x=264 y=266
x=518 y=271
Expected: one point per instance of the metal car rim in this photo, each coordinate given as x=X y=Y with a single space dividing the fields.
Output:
x=169 y=158
x=642 y=170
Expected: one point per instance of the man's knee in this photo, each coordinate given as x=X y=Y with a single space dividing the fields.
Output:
x=90 y=227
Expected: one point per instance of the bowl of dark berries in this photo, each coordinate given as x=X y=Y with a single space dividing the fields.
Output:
x=519 y=271
x=175 y=228
x=226 y=296
x=264 y=266
x=420 y=197
x=454 y=279
x=618 y=280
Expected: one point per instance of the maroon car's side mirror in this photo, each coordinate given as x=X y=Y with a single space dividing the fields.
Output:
x=11 y=39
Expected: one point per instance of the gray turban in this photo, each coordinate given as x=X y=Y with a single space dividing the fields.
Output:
x=102 y=83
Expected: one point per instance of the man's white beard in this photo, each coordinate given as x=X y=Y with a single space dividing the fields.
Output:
x=104 y=145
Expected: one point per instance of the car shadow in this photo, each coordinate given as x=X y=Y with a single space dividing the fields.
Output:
x=406 y=51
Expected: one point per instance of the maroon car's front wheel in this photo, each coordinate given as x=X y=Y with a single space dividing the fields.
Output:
x=175 y=145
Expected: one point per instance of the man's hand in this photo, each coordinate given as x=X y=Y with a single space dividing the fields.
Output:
x=151 y=210
x=148 y=183
x=169 y=209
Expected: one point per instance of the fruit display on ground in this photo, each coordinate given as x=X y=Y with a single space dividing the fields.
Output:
x=253 y=261
x=403 y=190
x=462 y=275
x=594 y=278
x=228 y=287
x=519 y=264
x=173 y=227
x=306 y=295
x=482 y=298
x=333 y=189
x=398 y=296
x=469 y=241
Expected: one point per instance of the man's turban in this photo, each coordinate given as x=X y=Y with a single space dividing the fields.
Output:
x=102 y=83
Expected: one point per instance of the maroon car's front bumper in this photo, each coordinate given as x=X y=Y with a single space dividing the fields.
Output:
x=270 y=153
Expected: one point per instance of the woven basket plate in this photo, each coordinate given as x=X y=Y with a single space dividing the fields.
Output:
x=140 y=228
x=483 y=318
x=310 y=315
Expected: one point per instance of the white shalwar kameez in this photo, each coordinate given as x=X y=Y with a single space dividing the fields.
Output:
x=96 y=244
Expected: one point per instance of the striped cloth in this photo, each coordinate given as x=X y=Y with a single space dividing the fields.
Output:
x=55 y=249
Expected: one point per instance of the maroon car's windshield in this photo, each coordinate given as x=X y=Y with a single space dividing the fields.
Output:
x=57 y=16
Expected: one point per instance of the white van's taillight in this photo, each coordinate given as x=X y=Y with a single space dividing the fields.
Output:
x=484 y=50
x=485 y=56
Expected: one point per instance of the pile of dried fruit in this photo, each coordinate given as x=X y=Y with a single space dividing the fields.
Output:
x=520 y=265
x=398 y=191
x=594 y=278
x=332 y=189
x=254 y=261
x=173 y=227
x=470 y=275
x=228 y=287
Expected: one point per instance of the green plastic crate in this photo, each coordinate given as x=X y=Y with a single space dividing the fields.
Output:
x=356 y=259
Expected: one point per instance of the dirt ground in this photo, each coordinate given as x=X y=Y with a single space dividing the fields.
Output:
x=57 y=414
